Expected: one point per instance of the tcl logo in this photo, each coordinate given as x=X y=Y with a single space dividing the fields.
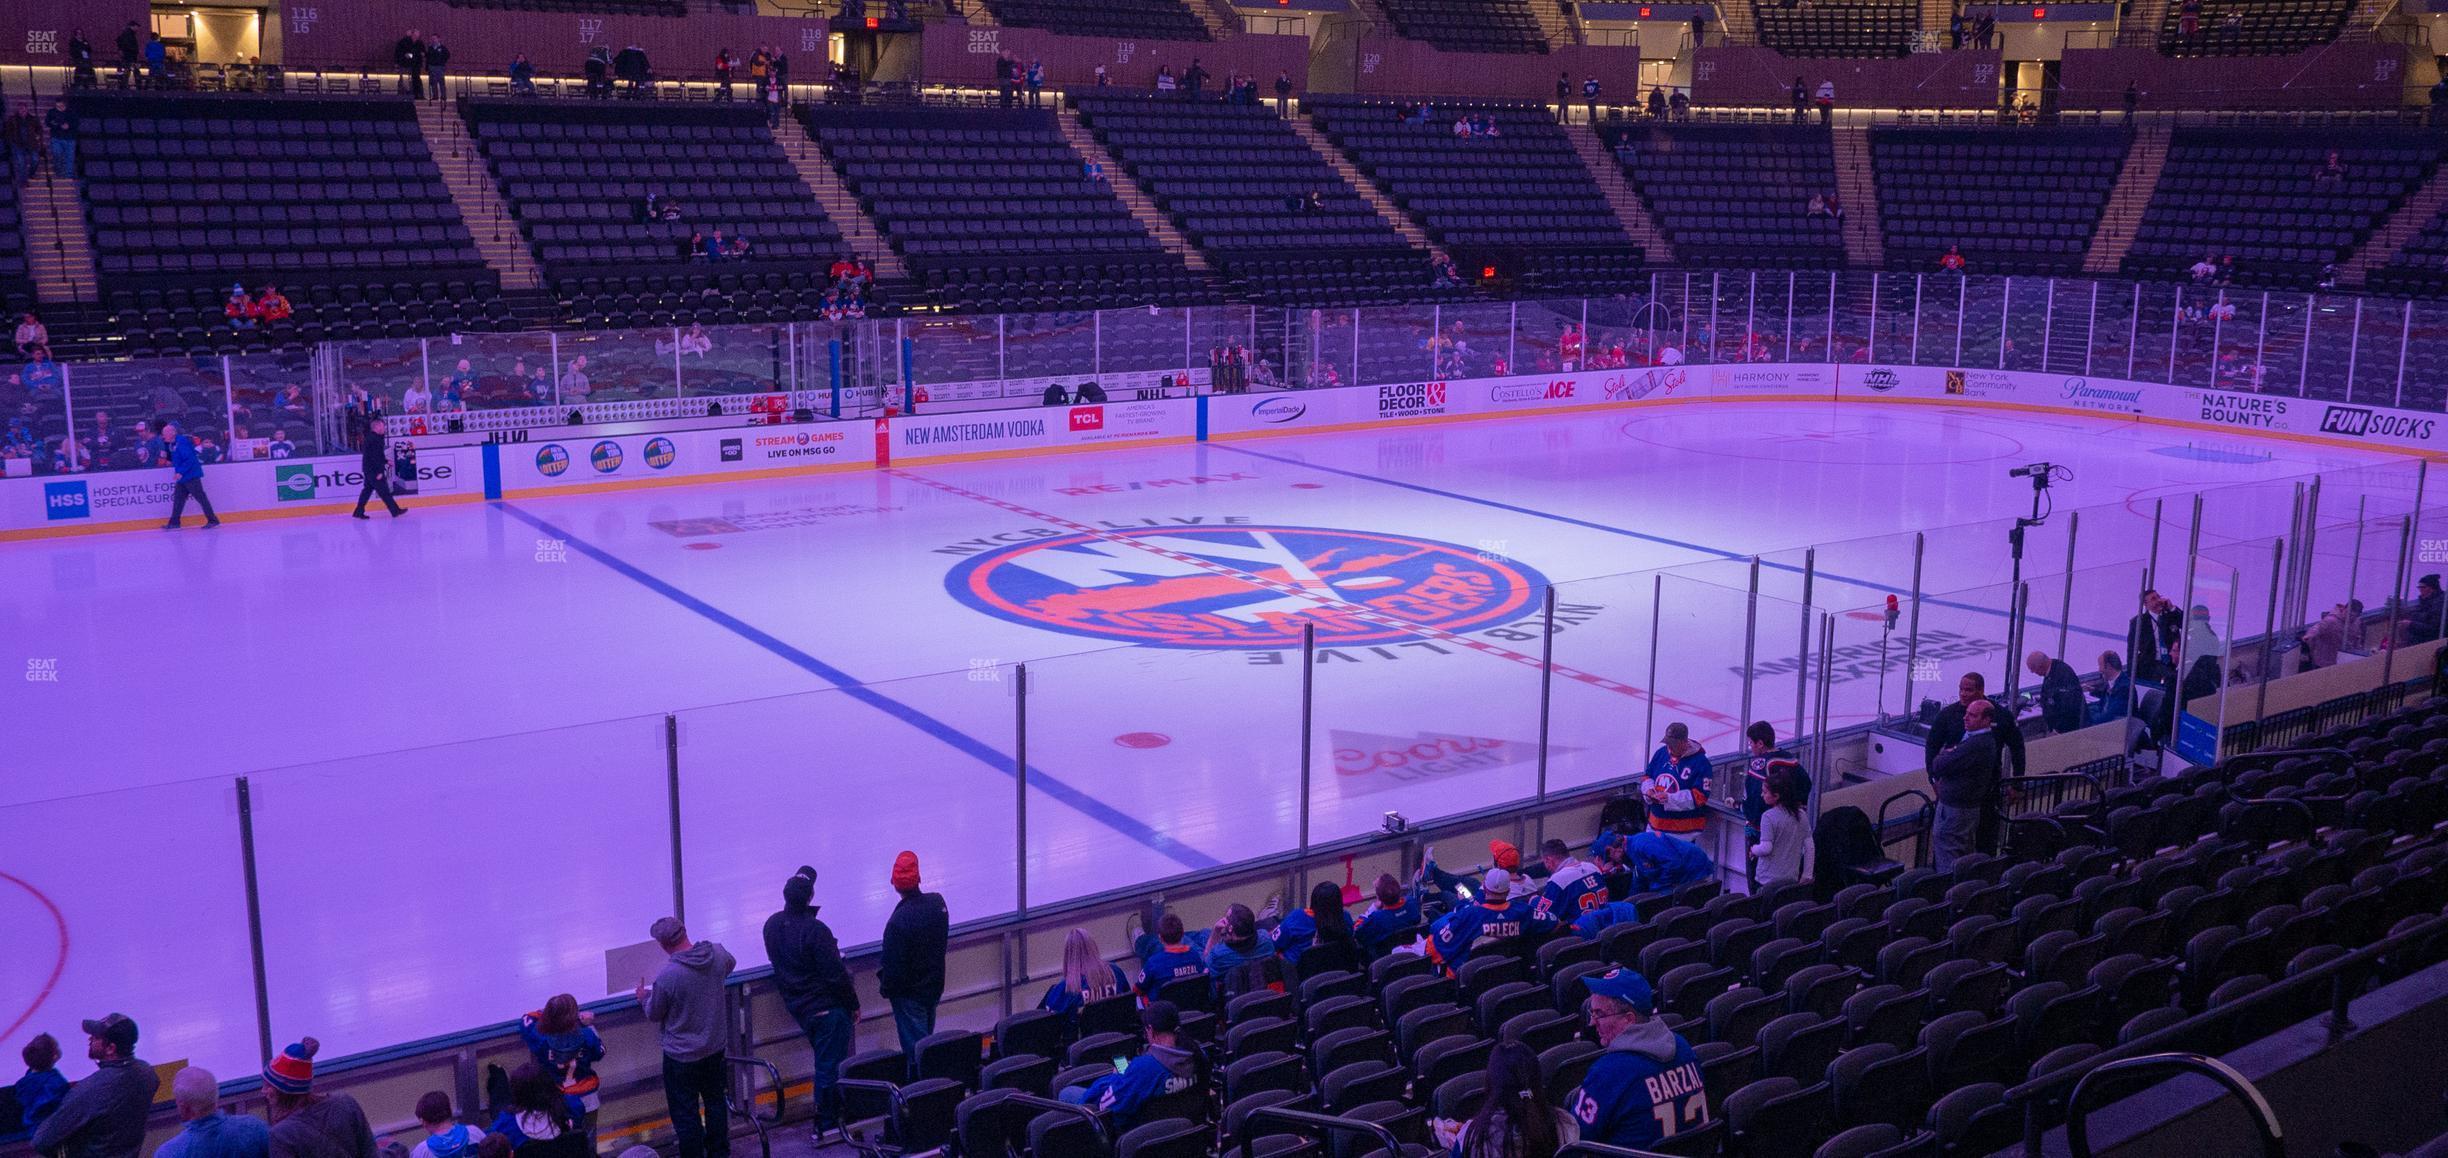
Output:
x=1087 y=418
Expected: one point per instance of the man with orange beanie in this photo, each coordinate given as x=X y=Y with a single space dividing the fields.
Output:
x=911 y=975
x=1459 y=886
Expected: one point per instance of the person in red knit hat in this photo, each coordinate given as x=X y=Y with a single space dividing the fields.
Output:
x=911 y=975
x=306 y=1124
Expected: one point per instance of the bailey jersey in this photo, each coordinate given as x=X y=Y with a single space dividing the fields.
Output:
x=1632 y=1099
x=1576 y=887
x=1677 y=791
x=1457 y=932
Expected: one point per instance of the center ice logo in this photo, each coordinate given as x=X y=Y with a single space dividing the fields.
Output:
x=1239 y=588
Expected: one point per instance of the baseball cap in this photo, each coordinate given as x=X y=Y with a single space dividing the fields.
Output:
x=666 y=930
x=1624 y=985
x=1498 y=883
x=115 y=1028
x=1677 y=732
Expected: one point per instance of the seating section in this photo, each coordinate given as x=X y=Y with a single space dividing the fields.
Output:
x=2016 y=201
x=992 y=209
x=2421 y=268
x=1847 y=29
x=1469 y=25
x=336 y=199
x=1520 y=201
x=1735 y=195
x=16 y=286
x=577 y=177
x=1144 y=19
x=590 y=7
x=1234 y=178
x=2254 y=27
x=1889 y=1004
x=2257 y=195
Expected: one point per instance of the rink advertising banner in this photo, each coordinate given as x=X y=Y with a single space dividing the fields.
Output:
x=117 y=500
x=924 y=437
x=569 y=458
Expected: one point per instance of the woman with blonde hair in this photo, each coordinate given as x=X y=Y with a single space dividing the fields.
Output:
x=1086 y=976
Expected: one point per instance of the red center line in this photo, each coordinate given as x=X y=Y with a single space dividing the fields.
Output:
x=1354 y=610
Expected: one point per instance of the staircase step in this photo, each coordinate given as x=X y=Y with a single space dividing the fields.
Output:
x=1865 y=248
x=1143 y=210
x=1621 y=197
x=859 y=231
x=2122 y=218
x=477 y=197
x=1368 y=189
x=59 y=255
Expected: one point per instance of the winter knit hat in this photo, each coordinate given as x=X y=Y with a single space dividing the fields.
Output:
x=293 y=1071
x=1503 y=855
x=800 y=889
x=905 y=871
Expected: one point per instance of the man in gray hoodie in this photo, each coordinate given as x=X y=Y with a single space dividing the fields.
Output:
x=686 y=1000
x=104 y=1115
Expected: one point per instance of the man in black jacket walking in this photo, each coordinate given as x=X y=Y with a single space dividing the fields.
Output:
x=912 y=972
x=807 y=965
x=409 y=55
x=375 y=462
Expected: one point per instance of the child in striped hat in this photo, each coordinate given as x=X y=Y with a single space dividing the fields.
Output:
x=306 y=1124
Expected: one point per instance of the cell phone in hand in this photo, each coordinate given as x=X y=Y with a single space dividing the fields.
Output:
x=1121 y=1063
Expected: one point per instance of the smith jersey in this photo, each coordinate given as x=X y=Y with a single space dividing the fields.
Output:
x=1458 y=931
x=1631 y=1099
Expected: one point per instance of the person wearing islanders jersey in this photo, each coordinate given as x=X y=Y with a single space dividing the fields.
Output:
x=1675 y=785
x=1662 y=863
x=1646 y=1088
x=1497 y=916
x=1573 y=886
x=1167 y=953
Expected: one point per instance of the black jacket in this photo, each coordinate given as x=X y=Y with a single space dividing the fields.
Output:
x=1965 y=775
x=409 y=53
x=914 y=941
x=129 y=46
x=374 y=456
x=2149 y=637
x=1950 y=728
x=2061 y=697
x=807 y=963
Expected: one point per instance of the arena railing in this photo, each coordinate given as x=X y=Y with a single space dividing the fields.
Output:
x=2353 y=350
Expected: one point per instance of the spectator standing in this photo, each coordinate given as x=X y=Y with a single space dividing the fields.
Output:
x=1783 y=850
x=2133 y=99
x=916 y=936
x=815 y=987
x=562 y=1039
x=598 y=71
x=31 y=334
x=23 y=132
x=1164 y=1067
x=1514 y=1118
x=1589 y=94
x=2150 y=637
x=1827 y=102
x=1086 y=976
x=630 y=66
x=1103 y=78
x=522 y=76
x=39 y=1092
x=1194 y=79
x=1765 y=759
x=1949 y=728
x=81 y=60
x=722 y=74
x=686 y=1002
x=157 y=61
x=1801 y=99
x=1007 y=79
x=62 y=129
x=437 y=63
x=1036 y=82
x=1646 y=1088
x=104 y=1115
x=129 y=45
x=1283 y=93
x=206 y=1132
x=445 y=1135
x=1563 y=98
x=306 y=1124
x=188 y=467
x=1657 y=102
x=409 y=54
x=574 y=385
x=374 y=462
x=1964 y=777
x=1676 y=785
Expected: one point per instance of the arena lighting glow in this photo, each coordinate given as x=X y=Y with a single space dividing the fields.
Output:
x=1487 y=271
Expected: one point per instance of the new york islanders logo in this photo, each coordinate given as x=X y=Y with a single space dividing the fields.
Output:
x=1243 y=587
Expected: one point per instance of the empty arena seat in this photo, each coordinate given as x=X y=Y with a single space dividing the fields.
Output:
x=2253 y=27
x=1469 y=25
x=2253 y=193
x=1143 y=19
x=2016 y=199
x=1735 y=195
x=1854 y=28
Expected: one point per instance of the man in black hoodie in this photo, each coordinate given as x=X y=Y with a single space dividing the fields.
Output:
x=409 y=55
x=375 y=463
x=912 y=973
x=807 y=965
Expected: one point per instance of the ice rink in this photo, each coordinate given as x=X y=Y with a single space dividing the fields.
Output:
x=453 y=724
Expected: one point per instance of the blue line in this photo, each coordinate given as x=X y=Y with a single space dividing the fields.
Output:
x=982 y=752
x=1644 y=536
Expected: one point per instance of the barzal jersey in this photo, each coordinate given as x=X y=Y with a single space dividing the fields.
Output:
x=1631 y=1099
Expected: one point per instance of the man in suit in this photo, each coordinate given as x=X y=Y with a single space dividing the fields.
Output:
x=1950 y=726
x=2151 y=637
x=1964 y=778
x=2116 y=691
x=2061 y=694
